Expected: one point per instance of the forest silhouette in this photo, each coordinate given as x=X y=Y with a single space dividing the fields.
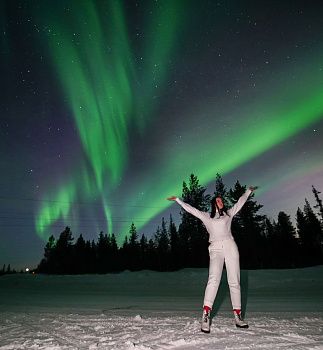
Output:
x=263 y=243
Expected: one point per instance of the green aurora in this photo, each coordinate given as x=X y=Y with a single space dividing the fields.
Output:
x=100 y=79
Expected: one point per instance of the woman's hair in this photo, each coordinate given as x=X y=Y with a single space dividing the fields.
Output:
x=214 y=206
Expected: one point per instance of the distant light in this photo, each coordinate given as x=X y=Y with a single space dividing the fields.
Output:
x=27 y=269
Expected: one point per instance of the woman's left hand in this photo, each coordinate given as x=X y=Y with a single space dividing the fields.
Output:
x=253 y=188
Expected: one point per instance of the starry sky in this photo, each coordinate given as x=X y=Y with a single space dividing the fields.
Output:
x=107 y=106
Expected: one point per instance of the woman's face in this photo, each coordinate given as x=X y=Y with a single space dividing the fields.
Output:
x=219 y=202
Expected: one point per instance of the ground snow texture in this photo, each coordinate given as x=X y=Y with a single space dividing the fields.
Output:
x=150 y=310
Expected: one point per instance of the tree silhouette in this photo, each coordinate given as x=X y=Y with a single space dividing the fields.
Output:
x=318 y=205
x=133 y=249
x=115 y=259
x=263 y=243
x=310 y=234
x=143 y=253
x=285 y=243
x=102 y=251
x=162 y=247
x=247 y=228
x=192 y=233
x=174 y=242
x=48 y=263
x=80 y=255
x=220 y=190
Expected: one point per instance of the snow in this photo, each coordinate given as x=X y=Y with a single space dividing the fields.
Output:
x=150 y=310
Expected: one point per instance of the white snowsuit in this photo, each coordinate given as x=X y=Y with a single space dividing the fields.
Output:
x=222 y=249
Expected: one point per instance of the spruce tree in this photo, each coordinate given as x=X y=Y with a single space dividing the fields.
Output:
x=318 y=205
x=143 y=249
x=115 y=261
x=133 y=248
x=174 y=245
x=269 y=256
x=63 y=252
x=102 y=255
x=152 y=255
x=303 y=246
x=162 y=247
x=49 y=262
x=124 y=254
x=285 y=242
x=247 y=228
x=90 y=257
x=312 y=236
x=220 y=189
x=80 y=255
x=94 y=254
x=192 y=233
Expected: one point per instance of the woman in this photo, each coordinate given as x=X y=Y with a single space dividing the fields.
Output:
x=222 y=249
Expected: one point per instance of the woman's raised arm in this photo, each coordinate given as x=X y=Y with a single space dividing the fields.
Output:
x=197 y=213
x=242 y=200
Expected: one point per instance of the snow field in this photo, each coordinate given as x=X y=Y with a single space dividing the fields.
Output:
x=150 y=310
x=110 y=331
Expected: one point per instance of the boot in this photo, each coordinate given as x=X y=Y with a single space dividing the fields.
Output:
x=205 y=324
x=240 y=323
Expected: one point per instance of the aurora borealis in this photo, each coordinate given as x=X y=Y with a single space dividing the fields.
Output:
x=100 y=85
x=110 y=105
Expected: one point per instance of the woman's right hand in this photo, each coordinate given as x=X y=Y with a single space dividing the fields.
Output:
x=172 y=198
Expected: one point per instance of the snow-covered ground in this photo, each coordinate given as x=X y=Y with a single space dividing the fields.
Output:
x=149 y=310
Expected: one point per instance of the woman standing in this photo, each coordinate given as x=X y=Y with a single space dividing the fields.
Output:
x=222 y=249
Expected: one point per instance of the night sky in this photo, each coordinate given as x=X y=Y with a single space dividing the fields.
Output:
x=107 y=106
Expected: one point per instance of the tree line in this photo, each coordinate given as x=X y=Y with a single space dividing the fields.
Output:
x=6 y=270
x=262 y=242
